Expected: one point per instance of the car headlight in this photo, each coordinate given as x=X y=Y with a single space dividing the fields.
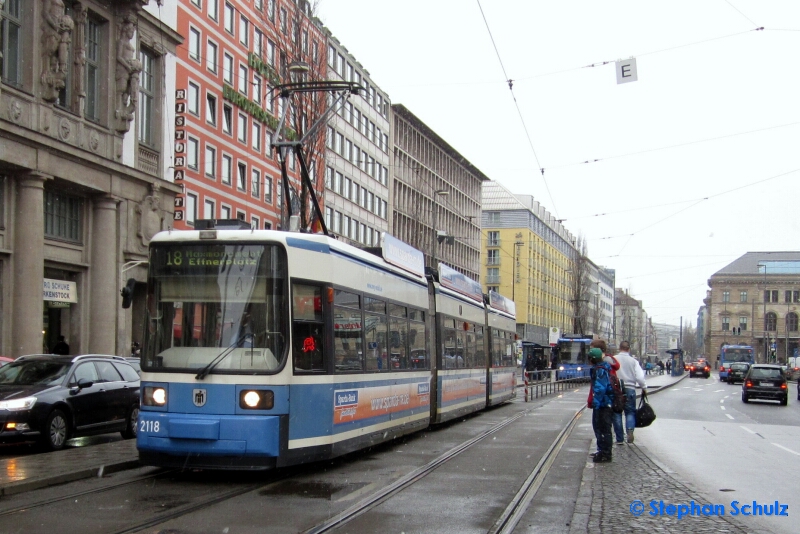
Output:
x=17 y=405
x=154 y=396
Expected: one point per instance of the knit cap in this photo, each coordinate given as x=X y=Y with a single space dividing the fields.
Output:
x=595 y=354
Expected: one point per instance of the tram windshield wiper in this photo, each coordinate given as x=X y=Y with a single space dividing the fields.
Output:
x=224 y=354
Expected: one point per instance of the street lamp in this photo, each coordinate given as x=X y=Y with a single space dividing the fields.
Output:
x=437 y=193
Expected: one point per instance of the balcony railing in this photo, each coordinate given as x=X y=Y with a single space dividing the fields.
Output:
x=148 y=161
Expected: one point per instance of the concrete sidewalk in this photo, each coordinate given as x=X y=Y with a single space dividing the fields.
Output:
x=27 y=473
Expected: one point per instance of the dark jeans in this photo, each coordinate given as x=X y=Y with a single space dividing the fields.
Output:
x=601 y=423
x=630 y=415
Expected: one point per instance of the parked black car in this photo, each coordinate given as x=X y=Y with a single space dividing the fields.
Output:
x=764 y=381
x=699 y=369
x=737 y=371
x=52 y=398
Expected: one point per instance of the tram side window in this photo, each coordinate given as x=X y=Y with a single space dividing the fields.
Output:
x=398 y=337
x=497 y=347
x=307 y=329
x=375 y=334
x=508 y=350
x=347 y=332
x=451 y=346
x=470 y=346
x=418 y=354
x=480 y=350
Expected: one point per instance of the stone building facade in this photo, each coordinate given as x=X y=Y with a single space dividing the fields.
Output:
x=755 y=301
x=84 y=167
x=434 y=189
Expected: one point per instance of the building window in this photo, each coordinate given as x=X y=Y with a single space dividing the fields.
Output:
x=211 y=109
x=493 y=239
x=242 y=177
x=726 y=296
x=243 y=82
x=210 y=162
x=242 y=129
x=227 y=119
x=191 y=209
x=267 y=189
x=228 y=18
x=791 y=322
x=493 y=257
x=284 y=22
x=791 y=296
x=213 y=9
x=257 y=90
x=743 y=296
x=256 y=134
x=62 y=216
x=93 y=62
x=227 y=69
x=192 y=147
x=211 y=57
x=194 y=44
x=771 y=295
x=770 y=322
x=208 y=209
x=194 y=99
x=225 y=212
x=147 y=97
x=244 y=30
x=743 y=324
x=13 y=42
x=258 y=42
x=493 y=275
x=255 y=183
x=227 y=167
x=240 y=215
x=271 y=10
x=254 y=222
x=726 y=325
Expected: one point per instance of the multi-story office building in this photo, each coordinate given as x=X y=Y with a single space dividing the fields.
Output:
x=755 y=300
x=84 y=167
x=358 y=145
x=236 y=52
x=631 y=323
x=529 y=257
x=600 y=306
x=435 y=196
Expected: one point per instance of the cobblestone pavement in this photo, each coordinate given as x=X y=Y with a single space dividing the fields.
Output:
x=607 y=491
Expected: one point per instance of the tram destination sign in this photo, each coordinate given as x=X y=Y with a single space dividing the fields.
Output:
x=198 y=259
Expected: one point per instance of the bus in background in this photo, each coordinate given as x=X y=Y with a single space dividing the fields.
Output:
x=572 y=357
x=734 y=353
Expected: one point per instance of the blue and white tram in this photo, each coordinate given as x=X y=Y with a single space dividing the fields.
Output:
x=501 y=324
x=266 y=349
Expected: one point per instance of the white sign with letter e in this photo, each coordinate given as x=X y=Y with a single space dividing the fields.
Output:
x=626 y=71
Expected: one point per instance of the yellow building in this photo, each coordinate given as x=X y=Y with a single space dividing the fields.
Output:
x=528 y=258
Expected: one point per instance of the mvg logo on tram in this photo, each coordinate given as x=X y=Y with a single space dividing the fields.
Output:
x=346 y=398
x=423 y=389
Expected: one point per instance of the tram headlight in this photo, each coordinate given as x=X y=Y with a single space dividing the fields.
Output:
x=154 y=396
x=579 y=368
x=560 y=367
x=256 y=399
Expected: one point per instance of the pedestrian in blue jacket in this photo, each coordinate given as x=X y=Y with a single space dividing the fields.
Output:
x=602 y=414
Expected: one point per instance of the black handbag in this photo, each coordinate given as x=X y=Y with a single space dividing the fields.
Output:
x=645 y=415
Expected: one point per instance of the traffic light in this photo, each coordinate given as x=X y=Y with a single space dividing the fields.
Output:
x=127 y=293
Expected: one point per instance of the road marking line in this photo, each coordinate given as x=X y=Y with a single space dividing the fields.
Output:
x=718 y=390
x=723 y=407
x=787 y=450
x=722 y=400
x=729 y=416
x=751 y=431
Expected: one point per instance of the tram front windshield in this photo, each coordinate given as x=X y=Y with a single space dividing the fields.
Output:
x=225 y=303
x=738 y=355
x=572 y=351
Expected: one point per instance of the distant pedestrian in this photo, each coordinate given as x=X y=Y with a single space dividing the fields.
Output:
x=631 y=375
x=669 y=366
x=602 y=414
x=60 y=347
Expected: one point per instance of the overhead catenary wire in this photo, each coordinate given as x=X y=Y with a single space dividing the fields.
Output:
x=519 y=112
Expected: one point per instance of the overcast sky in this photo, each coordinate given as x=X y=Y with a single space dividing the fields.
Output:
x=697 y=160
